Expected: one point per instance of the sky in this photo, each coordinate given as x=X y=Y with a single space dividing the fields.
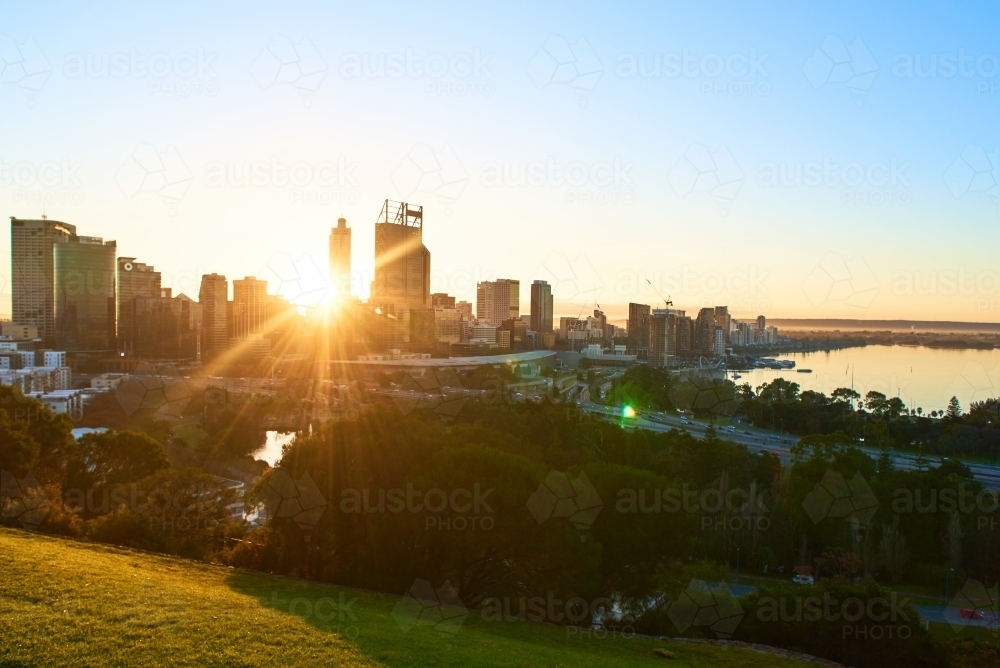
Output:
x=830 y=161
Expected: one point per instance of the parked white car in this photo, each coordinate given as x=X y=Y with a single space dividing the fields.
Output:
x=803 y=579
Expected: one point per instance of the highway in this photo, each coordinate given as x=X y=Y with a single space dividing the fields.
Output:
x=774 y=442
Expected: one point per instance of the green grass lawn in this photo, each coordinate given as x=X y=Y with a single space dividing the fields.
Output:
x=81 y=604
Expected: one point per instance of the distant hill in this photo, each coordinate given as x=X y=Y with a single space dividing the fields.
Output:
x=844 y=324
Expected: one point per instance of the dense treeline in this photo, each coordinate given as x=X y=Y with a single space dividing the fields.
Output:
x=117 y=487
x=519 y=502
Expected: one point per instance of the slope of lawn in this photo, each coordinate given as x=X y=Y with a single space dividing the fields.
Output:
x=79 y=604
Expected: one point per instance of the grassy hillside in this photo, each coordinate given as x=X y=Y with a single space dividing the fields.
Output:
x=69 y=603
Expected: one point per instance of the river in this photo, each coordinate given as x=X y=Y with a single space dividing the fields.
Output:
x=924 y=377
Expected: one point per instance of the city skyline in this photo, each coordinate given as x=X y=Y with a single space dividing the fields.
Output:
x=777 y=184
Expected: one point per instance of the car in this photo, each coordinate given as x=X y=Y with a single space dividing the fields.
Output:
x=970 y=613
x=800 y=579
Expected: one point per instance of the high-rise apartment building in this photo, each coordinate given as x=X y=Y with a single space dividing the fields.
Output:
x=138 y=291
x=602 y=324
x=402 y=262
x=704 y=330
x=723 y=320
x=340 y=260
x=498 y=300
x=465 y=308
x=249 y=307
x=214 y=299
x=85 y=303
x=541 y=307
x=664 y=324
x=33 y=273
x=638 y=326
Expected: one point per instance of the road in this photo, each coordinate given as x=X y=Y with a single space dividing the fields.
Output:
x=776 y=443
x=936 y=614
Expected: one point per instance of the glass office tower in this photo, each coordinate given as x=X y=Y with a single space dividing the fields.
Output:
x=85 y=310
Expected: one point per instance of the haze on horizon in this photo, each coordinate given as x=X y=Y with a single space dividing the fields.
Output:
x=821 y=162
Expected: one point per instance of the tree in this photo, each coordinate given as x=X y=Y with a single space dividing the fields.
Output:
x=876 y=403
x=954 y=410
x=118 y=458
x=893 y=549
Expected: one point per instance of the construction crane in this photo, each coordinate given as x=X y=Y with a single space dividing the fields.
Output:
x=666 y=302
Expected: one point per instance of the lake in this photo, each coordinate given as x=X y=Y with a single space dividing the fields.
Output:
x=274 y=441
x=924 y=377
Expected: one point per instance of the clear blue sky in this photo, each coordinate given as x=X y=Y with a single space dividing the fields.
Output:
x=683 y=174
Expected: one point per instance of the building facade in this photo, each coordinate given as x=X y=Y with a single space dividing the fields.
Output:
x=541 y=307
x=138 y=296
x=402 y=262
x=498 y=300
x=213 y=296
x=32 y=264
x=340 y=259
x=85 y=294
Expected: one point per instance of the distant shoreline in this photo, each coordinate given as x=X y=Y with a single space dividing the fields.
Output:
x=923 y=326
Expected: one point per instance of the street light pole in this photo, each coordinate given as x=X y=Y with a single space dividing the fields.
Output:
x=737 y=565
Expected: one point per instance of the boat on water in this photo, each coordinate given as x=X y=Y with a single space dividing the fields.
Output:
x=804 y=370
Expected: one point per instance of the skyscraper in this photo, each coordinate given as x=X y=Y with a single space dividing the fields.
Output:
x=723 y=320
x=33 y=272
x=340 y=259
x=249 y=307
x=498 y=300
x=402 y=262
x=213 y=297
x=138 y=288
x=85 y=303
x=541 y=306
x=704 y=330
x=663 y=335
x=638 y=326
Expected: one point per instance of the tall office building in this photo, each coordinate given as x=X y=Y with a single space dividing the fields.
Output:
x=33 y=272
x=138 y=290
x=541 y=306
x=249 y=307
x=402 y=262
x=761 y=323
x=214 y=299
x=340 y=259
x=498 y=300
x=85 y=303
